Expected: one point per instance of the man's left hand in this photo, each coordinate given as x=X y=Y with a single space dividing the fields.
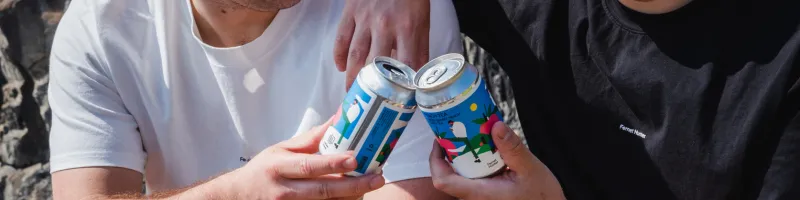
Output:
x=371 y=28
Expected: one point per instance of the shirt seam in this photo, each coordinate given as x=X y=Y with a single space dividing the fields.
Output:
x=616 y=20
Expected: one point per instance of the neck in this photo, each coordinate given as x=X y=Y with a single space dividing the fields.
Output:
x=654 y=6
x=227 y=24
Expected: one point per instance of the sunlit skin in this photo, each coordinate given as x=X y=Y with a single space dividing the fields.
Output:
x=654 y=6
x=229 y=23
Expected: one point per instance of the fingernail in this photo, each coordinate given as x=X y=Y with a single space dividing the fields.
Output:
x=503 y=130
x=376 y=182
x=350 y=163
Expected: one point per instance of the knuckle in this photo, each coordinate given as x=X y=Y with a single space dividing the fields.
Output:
x=405 y=25
x=516 y=151
x=331 y=165
x=272 y=169
x=305 y=167
x=343 y=38
x=357 y=53
x=383 y=21
x=516 y=145
x=359 y=188
x=323 y=190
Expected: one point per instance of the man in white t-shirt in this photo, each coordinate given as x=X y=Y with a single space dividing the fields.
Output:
x=184 y=93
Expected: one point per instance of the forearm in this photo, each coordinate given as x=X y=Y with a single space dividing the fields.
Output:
x=212 y=189
x=419 y=189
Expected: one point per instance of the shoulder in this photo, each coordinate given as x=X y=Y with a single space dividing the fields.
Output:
x=91 y=27
x=97 y=18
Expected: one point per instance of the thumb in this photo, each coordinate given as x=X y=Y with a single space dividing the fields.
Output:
x=515 y=154
x=308 y=142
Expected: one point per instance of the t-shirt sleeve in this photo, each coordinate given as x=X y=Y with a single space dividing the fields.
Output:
x=445 y=34
x=409 y=158
x=90 y=124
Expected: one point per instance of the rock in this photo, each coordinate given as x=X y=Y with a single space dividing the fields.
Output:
x=30 y=183
x=27 y=29
x=6 y=4
x=5 y=172
x=497 y=83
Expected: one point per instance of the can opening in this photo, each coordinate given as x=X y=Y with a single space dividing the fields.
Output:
x=392 y=68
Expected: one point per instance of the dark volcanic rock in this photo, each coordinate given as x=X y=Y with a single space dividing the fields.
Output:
x=27 y=30
x=30 y=183
x=496 y=81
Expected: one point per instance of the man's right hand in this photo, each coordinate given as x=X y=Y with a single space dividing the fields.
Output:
x=290 y=170
x=526 y=177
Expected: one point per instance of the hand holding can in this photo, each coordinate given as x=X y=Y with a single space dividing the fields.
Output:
x=453 y=98
x=525 y=178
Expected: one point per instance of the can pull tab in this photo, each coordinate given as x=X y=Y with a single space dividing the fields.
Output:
x=394 y=72
x=435 y=75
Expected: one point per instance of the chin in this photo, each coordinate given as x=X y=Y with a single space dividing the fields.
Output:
x=654 y=6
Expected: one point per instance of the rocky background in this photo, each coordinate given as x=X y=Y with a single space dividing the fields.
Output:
x=27 y=28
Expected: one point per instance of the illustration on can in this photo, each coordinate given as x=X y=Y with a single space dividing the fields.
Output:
x=374 y=114
x=353 y=107
x=475 y=144
x=464 y=130
x=454 y=101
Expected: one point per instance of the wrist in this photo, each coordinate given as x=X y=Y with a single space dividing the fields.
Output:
x=219 y=188
x=223 y=187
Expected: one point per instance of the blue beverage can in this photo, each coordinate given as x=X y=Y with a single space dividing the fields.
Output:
x=453 y=98
x=375 y=112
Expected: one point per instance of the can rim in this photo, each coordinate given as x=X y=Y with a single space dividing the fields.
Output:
x=410 y=74
x=450 y=56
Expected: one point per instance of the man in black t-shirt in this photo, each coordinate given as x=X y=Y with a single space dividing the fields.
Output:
x=643 y=99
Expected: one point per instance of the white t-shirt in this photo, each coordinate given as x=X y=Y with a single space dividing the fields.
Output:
x=132 y=86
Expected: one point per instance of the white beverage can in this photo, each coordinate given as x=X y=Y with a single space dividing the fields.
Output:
x=375 y=112
x=453 y=98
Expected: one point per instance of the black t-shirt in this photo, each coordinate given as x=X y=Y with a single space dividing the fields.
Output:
x=699 y=103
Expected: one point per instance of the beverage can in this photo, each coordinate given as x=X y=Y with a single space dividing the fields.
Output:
x=456 y=104
x=374 y=114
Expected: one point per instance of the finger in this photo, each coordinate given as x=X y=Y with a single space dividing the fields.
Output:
x=344 y=36
x=308 y=142
x=328 y=188
x=336 y=115
x=349 y=198
x=381 y=44
x=423 y=48
x=359 y=49
x=445 y=179
x=299 y=166
x=514 y=153
x=412 y=44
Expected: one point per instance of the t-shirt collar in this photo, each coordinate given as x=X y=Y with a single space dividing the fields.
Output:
x=248 y=55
